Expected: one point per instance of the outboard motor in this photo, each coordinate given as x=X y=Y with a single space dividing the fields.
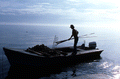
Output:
x=92 y=45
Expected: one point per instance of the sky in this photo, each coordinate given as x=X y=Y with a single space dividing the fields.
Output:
x=60 y=12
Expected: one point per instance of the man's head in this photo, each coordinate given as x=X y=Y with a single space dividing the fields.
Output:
x=72 y=26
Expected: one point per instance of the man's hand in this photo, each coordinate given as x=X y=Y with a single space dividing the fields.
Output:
x=69 y=38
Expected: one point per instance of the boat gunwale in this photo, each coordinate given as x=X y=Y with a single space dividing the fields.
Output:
x=33 y=54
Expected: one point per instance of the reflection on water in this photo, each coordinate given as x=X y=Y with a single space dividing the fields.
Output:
x=99 y=68
x=50 y=71
x=31 y=72
x=79 y=70
x=116 y=72
x=57 y=72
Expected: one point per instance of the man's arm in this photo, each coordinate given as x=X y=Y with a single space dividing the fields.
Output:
x=70 y=37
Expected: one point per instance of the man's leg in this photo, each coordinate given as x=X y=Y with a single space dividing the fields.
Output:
x=75 y=46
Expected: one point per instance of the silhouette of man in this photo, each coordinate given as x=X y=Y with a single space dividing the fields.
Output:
x=75 y=35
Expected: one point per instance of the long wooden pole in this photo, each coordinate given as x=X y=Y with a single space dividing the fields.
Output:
x=83 y=36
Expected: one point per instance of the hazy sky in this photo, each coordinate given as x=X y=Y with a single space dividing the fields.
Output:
x=59 y=12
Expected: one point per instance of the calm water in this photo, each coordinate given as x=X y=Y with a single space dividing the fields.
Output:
x=27 y=36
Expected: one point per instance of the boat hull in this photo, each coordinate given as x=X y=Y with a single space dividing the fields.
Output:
x=21 y=57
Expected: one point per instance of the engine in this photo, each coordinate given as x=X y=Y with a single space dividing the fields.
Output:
x=92 y=45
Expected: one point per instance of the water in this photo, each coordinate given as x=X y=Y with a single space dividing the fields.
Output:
x=27 y=36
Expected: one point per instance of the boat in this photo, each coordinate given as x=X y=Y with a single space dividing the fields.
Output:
x=32 y=58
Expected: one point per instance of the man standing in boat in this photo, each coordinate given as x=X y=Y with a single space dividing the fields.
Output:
x=75 y=35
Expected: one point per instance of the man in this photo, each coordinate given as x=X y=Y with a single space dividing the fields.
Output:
x=75 y=35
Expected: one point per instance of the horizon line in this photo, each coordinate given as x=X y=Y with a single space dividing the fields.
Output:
x=61 y=25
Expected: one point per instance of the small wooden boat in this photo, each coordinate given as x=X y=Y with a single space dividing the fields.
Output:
x=23 y=57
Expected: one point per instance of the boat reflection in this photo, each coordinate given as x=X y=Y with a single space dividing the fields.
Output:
x=31 y=72
x=20 y=71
